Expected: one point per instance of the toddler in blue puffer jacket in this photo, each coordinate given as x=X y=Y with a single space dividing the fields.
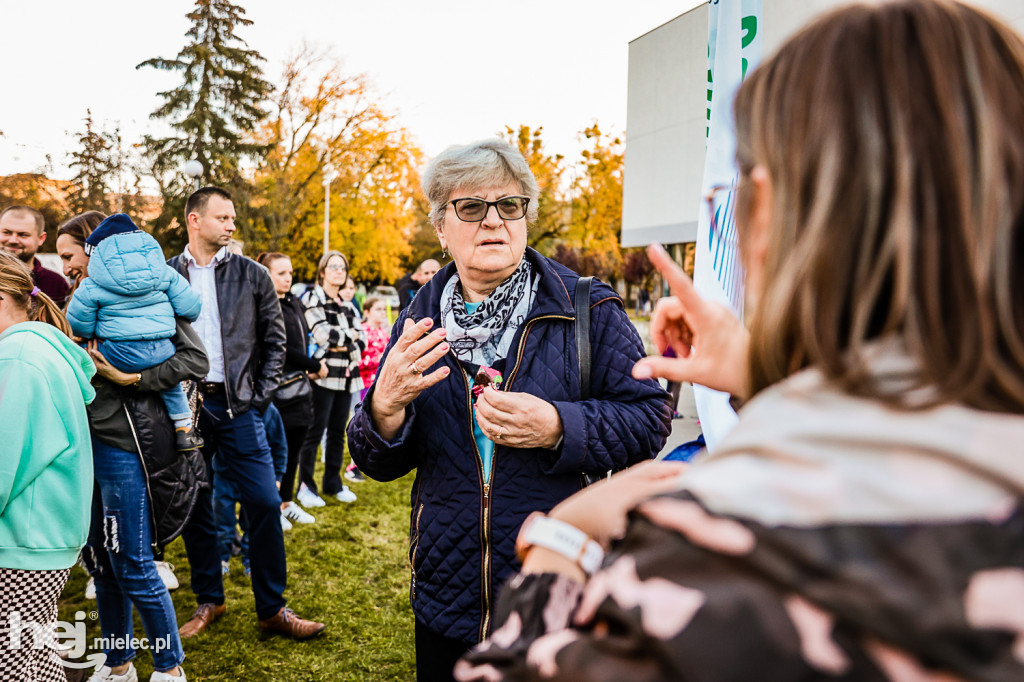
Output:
x=130 y=300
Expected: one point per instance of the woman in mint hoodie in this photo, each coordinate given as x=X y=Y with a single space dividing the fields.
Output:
x=46 y=475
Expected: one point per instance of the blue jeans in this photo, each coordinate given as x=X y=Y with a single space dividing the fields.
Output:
x=225 y=495
x=119 y=555
x=135 y=356
x=242 y=443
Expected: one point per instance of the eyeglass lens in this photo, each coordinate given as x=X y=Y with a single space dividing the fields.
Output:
x=336 y=268
x=472 y=210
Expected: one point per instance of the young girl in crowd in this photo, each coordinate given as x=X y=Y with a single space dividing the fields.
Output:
x=46 y=467
x=375 y=324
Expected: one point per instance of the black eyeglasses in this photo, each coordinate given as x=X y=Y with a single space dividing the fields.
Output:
x=472 y=210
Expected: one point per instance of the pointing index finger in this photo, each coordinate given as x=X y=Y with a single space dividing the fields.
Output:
x=678 y=281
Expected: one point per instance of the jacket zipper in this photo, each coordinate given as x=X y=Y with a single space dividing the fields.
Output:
x=485 y=525
x=485 y=624
x=227 y=393
x=415 y=547
x=223 y=347
x=145 y=474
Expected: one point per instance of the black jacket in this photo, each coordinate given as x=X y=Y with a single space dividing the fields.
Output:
x=251 y=330
x=134 y=419
x=296 y=358
x=407 y=288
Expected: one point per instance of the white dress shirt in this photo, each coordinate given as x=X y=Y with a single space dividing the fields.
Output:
x=208 y=324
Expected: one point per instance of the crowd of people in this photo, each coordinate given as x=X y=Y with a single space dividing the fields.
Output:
x=863 y=521
x=209 y=384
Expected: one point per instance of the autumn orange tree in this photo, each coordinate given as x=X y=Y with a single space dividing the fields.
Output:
x=595 y=196
x=320 y=119
x=548 y=169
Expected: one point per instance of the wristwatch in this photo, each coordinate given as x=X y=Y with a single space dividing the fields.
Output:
x=540 y=530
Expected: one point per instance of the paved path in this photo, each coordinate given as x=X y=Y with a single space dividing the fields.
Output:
x=686 y=428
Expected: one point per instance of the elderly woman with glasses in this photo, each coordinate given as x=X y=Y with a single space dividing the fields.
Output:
x=864 y=520
x=479 y=391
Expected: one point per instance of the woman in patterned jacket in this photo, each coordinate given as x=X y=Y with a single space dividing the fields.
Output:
x=337 y=337
x=864 y=519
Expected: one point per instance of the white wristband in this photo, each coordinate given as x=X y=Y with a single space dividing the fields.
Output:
x=540 y=530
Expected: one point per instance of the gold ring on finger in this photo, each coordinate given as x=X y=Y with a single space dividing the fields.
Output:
x=414 y=369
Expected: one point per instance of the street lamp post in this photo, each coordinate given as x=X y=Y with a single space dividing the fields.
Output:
x=194 y=169
x=329 y=175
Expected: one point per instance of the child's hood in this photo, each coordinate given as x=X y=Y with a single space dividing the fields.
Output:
x=130 y=264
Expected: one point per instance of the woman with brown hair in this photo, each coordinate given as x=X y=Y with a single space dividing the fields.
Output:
x=146 y=489
x=71 y=236
x=337 y=334
x=45 y=470
x=295 y=404
x=864 y=519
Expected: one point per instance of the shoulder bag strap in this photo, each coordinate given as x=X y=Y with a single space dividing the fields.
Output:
x=583 y=333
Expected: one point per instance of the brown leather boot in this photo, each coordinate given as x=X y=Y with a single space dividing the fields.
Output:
x=201 y=619
x=290 y=624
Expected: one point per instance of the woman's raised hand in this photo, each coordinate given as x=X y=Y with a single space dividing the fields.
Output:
x=710 y=343
x=401 y=377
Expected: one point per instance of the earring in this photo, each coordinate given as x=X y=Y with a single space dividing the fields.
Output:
x=444 y=254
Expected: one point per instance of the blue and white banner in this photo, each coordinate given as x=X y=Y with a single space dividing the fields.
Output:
x=734 y=47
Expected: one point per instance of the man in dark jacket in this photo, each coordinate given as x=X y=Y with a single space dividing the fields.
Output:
x=414 y=281
x=243 y=331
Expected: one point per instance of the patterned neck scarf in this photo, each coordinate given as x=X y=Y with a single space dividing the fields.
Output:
x=485 y=335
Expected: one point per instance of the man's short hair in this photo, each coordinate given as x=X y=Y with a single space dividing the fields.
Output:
x=23 y=210
x=198 y=200
x=423 y=266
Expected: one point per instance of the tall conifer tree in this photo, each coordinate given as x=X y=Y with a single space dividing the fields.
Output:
x=94 y=166
x=213 y=114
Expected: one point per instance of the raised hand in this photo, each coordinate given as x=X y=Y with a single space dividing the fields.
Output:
x=710 y=343
x=401 y=377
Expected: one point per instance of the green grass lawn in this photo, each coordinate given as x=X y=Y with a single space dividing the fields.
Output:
x=349 y=570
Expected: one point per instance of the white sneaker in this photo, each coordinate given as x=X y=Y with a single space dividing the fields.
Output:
x=90 y=589
x=346 y=495
x=296 y=513
x=166 y=571
x=164 y=677
x=285 y=523
x=104 y=674
x=308 y=498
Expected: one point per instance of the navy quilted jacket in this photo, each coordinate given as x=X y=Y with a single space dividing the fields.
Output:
x=463 y=529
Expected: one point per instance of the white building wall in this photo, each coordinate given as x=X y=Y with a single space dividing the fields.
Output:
x=666 y=114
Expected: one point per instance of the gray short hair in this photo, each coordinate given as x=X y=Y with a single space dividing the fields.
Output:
x=475 y=166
